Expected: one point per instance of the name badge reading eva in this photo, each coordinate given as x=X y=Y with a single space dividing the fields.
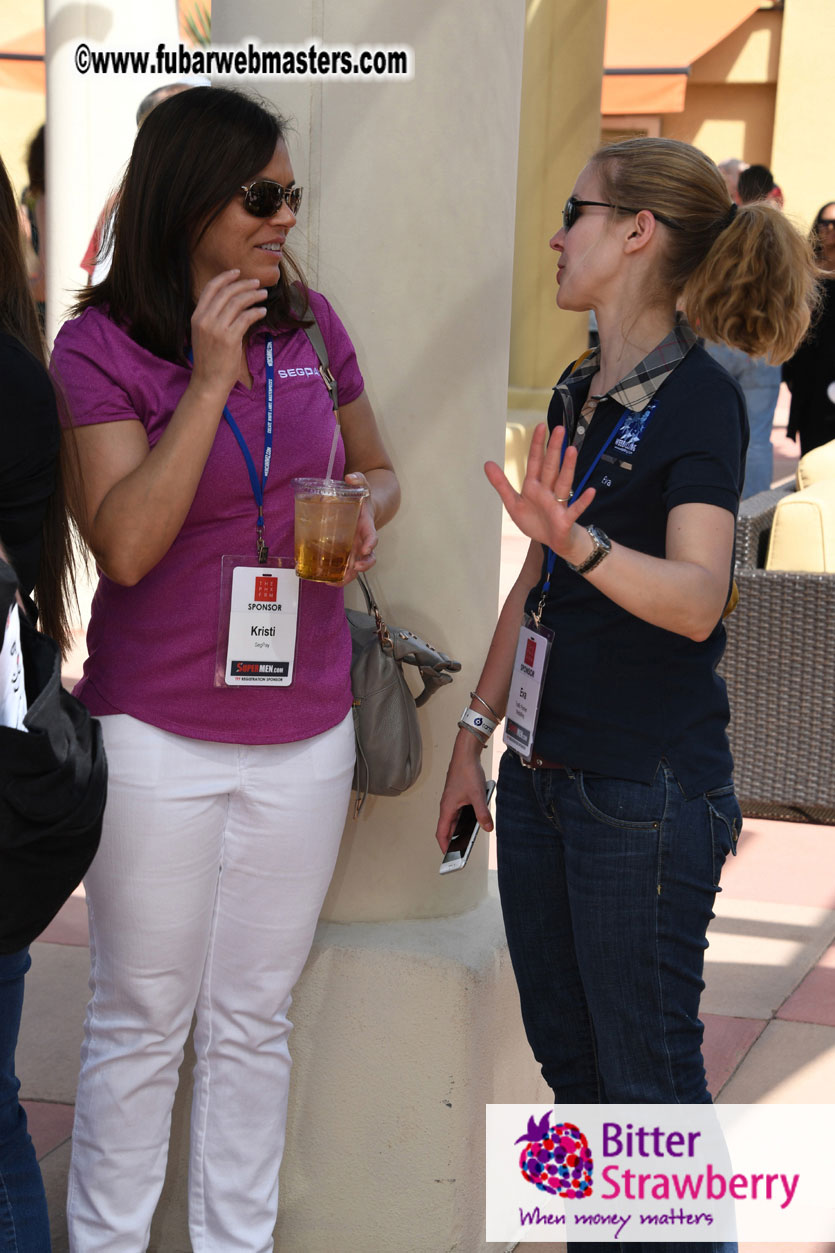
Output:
x=523 y=702
x=263 y=615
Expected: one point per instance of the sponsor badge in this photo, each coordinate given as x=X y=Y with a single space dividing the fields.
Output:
x=263 y=610
x=529 y=667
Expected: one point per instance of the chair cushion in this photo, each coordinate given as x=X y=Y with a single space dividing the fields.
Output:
x=803 y=531
x=816 y=465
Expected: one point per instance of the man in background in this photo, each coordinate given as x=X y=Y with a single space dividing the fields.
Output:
x=730 y=171
x=756 y=182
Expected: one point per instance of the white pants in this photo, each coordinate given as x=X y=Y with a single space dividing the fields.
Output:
x=214 y=863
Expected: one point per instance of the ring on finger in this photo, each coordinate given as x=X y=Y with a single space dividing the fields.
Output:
x=562 y=500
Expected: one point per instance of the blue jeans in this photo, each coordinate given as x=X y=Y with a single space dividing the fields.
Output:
x=760 y=383
x=24 y=1225
x=607 y=888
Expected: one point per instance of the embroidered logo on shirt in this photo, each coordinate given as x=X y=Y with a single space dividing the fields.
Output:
x=631 y=432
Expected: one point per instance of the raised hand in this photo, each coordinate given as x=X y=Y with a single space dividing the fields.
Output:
x=541 y=510
x=228 y=306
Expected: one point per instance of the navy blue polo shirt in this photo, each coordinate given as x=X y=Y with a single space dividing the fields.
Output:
x=620 y=694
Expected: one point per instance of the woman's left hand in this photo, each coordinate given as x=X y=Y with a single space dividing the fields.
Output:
x=541 y=510
x=362 y=556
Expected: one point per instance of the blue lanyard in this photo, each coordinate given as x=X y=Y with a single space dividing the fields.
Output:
x=552 y=556
x=257 y=487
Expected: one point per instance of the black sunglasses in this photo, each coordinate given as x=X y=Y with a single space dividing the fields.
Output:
x=263 y=198
x=571 y=213
x=826 y=224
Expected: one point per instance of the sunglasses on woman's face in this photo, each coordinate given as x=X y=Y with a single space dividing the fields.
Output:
x=826 y=224
x=571 y=212
x=263 y=198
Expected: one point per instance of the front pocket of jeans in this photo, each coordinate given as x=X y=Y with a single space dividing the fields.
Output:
x=620 y=802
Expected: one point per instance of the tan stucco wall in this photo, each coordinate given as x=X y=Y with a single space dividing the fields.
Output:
x=560 y=128
x=729 y=106
x=750 y=54
x=724 y=120
x=802 y=154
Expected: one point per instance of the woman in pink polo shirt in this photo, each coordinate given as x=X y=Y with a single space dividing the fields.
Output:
x=194 y=394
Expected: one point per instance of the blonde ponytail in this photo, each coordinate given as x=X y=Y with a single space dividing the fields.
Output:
x=747 y=279
x=757 y=287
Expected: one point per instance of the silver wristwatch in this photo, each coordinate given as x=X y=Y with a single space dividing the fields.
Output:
x=602 y=548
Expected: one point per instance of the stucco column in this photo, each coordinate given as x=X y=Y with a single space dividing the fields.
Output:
x=406 y=1018
x=407 y=227
x=91 y=123
x=560 y=130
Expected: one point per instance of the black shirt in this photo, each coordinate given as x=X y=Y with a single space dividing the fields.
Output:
x=620 y=694
x=29 y=443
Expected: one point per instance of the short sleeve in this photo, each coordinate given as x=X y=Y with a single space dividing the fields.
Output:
x=711 y=430
x=341 y=355
x=87 y=367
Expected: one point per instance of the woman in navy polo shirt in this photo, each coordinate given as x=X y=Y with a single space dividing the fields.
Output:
x=617 y=810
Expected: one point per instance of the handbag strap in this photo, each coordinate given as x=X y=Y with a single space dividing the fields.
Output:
x=317 y=339
x=431 y=662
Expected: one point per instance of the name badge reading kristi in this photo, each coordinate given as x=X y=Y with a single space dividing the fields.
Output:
x=263 y=616
x=525 y=695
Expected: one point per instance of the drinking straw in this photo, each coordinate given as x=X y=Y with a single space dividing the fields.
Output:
x=332 y=457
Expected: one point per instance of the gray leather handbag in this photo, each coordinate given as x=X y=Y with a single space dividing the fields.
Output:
x=389 y=751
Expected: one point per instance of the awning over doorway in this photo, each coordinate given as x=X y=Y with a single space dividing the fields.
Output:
x=651 y=44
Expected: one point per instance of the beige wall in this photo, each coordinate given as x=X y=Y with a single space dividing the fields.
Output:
x=21 y=112
x=729 y=107
x=802 y=153
x=750 y=54
x=726 y=121
x=560 y=127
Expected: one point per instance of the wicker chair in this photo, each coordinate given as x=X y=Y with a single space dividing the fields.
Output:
x=779 y=667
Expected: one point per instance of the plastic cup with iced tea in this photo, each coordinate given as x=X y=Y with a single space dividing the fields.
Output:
x=327 y=512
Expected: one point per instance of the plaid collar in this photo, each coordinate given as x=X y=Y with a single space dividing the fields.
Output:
x=637 y=389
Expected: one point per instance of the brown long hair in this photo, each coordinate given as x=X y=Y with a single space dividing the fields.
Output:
x=55 y=584
x=746 y=276
x=191 y=156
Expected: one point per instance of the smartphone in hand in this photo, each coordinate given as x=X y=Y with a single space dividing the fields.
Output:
x=463 y=837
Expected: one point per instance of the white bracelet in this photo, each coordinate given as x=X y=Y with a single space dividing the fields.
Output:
x=479 y=723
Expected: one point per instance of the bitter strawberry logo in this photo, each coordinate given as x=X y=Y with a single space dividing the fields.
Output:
x=266 y=587
x=556 y=1159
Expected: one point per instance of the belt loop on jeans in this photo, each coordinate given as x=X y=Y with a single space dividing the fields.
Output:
x=538 y=763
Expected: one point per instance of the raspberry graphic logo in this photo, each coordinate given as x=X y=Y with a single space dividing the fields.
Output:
x=556 y=1159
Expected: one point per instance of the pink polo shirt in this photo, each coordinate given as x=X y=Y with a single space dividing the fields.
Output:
x=152 y=647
